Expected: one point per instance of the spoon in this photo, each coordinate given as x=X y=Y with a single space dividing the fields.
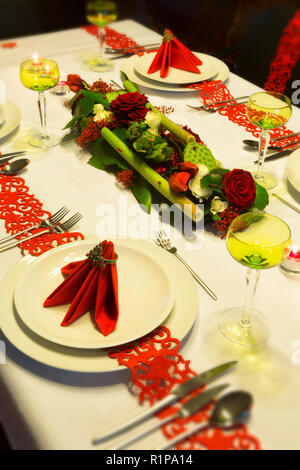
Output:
x=14 y=167
x=231 y=410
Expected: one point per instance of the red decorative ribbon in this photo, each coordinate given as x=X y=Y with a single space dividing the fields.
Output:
x=8 y=45
x=157 y=367
x=20 y=210
x=287 y=55
x=113 y=38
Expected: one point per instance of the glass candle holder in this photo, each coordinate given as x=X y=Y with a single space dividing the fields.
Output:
x=291 y=265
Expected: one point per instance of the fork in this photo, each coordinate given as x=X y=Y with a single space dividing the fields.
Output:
x=210 y=107
x=129 y=49
x=166 y=244
x=59 y=228
x=47 y=223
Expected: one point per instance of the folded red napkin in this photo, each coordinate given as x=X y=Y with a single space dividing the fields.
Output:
x=172 y=53
x=91 y=283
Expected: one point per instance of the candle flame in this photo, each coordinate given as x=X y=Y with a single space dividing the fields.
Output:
x=35 y=58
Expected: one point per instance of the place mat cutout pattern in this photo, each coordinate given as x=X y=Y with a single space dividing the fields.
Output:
x=157 y=367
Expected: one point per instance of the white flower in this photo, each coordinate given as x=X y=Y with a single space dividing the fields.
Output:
x=217 y=205
x=152 y=120
x=195 y=183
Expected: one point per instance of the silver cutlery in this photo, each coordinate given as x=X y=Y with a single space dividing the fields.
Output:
x=231 y=410
x=14 y=167
x=46 y=223
x=166 y=244
x=275 y=147
x=178 y=392
x=255 y=143
x=282 y=153
x=187 y=409
x=12 y=155
x=211 y=107
x=59 y=228
x=286 y=203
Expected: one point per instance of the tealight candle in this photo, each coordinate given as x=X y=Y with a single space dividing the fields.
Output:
x=291 y=265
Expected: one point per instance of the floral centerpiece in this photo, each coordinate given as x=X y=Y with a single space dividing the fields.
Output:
x=150 y=154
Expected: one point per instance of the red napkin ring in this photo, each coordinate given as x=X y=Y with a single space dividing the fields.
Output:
x=90 y=284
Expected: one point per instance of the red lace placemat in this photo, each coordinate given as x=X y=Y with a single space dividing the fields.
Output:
x=20 y=210
x=157 y=367
x=287 y=55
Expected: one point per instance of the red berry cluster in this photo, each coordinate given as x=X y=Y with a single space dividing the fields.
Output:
x=126 y=178
x=102 y=87
x=227 y=217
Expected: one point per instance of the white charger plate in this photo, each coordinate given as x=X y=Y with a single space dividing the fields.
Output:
x=128 y=67
x=177 y=76
x=293 y=169
x=179 y=322
x=12 y=119
x=146 y=296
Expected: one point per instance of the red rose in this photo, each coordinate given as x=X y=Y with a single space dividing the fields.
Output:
x=178 y=181
x=129 y=107
x=75 y=82
x=239 y=188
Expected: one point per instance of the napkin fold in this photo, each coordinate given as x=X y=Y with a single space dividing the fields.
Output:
x=90 y=284
x=172 y=53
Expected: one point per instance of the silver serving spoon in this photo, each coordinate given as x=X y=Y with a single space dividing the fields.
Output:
x=14 y=167
x=255 y=143
x=231 y=410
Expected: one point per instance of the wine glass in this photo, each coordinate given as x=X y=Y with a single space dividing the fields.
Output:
x=267 y=110
x=101 y=13
x=40 y=74
x=258 y=241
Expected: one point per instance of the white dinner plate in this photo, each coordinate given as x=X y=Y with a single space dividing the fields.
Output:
x=179 y=322
x=177 y=76
x=12 y=119
x=128 y=67
x=293 y=169
x=146 y=296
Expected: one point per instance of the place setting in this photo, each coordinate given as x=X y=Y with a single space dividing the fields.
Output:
x=131 y=264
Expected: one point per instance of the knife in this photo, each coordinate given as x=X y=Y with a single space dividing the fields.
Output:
x=187 y=409
x=276 y=155
x=180 y=391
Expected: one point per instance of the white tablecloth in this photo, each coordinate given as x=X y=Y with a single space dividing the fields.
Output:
x=45 y=408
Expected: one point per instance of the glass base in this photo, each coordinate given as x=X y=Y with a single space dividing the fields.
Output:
x=100 y=64
x=268 y=180
x=253 y=334
x=40 y=141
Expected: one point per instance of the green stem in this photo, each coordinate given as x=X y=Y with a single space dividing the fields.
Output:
x=150 y=175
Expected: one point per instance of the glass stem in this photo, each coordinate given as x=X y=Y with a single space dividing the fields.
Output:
x=252 y=278
x=263 y=146
x=102 y=42
x=42 y=111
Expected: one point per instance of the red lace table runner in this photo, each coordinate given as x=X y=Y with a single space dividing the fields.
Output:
x=20 y=210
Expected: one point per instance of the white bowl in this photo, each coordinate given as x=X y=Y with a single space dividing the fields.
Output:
x=293 y=169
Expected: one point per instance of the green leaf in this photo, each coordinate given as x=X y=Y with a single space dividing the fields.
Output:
x=74 y=97
x=214 y=178
x=142 y=193
x=104 y=155
x=262 y=197
x=123 y=76
x=96 y=98
x=72 y=122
